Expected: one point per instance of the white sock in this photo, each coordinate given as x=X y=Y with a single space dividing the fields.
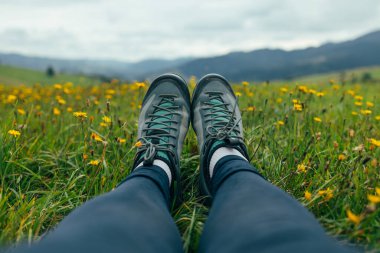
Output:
x=163 y=165
x=219 y=154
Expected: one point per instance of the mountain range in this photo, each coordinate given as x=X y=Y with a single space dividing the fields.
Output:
x=258 y=65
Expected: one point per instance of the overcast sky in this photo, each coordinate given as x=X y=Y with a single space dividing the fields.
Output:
x=132 y=30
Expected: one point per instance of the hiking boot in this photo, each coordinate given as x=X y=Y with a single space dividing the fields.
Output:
x=216 y=119
x=163 y=124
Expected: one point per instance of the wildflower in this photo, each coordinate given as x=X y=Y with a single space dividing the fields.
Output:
x=354 y=113
x=21 y=111
x=96 y=137
x=250 y=94
x=284 y=89
x=297 y=107
x=121 y=140
x=311 y=91
x=245 y=83
x=303 y=89
x=251 y=109
x=238 y=94
x=358 y=97
x=351 y=92
x=377 y=190
x=320 y=94
x=280 y=123
x=370 y=104
x=341 y=157
x=57 y=86
x=94 y=162
x=353 y=217
x=80 y=114
x=359 y=148
x=358 y=103
x=316 y=119
x=11 y=98
x=56 y=111
x=69 y=109
x=61 y=101
x=296 y=101
x=307 y=195
x=374 y=199
x=366 y=112
x=102 y=124
x=279 y=100
x=336 y=87
x=140 y=85
x=85 y=156
x=328 y=194
x=377 y=117
x=106 y=119
x=375 y=142
x=138 y=144
x=301 y=168
x=14 y=133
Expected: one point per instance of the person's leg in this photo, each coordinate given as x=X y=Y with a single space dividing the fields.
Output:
x=249 y=214
x=134 y=217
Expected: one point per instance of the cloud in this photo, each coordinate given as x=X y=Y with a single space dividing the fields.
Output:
x=133 y=30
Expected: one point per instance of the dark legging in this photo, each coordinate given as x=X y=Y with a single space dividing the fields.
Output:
x=248 y=214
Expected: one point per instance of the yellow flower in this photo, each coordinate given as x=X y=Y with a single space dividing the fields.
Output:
x=96 y=137
x=11 y=99
x=121 y=140
x=15 y=133
x=328 y=193
x=80 y=114
x=21 y=111
x=301 y=168
x=307 y=195
x=251 y=108
x=57 y=86
x=354 y=113
x=377 y=117
x=102 y=124
x=297 y=107
x=283 y=89
x=366 y=112
x=358 y=97
x=138 y=144
x=320 y=94
x=303 y=89
x=94 y=162
x=356 y=219
x=377 y=190
x=351 y=92
x=238 y=94
x=279 y=100
x=280 y=123
x=375 y=142
x=374 y=199
x=140 y=85
x=358 y=103
x=61 y=101
x=56 y=111
x=316 y=119
x=106 y=119
x=341 y=157
x=370 y=104
x=245 y=83
x=69 y=109
x=311 y=91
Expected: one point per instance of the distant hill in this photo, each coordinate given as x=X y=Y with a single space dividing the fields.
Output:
x=258 y=65
x=105 y=68
x=269 y=64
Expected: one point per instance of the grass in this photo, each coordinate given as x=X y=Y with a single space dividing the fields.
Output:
x=325 y=154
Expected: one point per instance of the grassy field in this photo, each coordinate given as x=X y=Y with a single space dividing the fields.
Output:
x=318 y=140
